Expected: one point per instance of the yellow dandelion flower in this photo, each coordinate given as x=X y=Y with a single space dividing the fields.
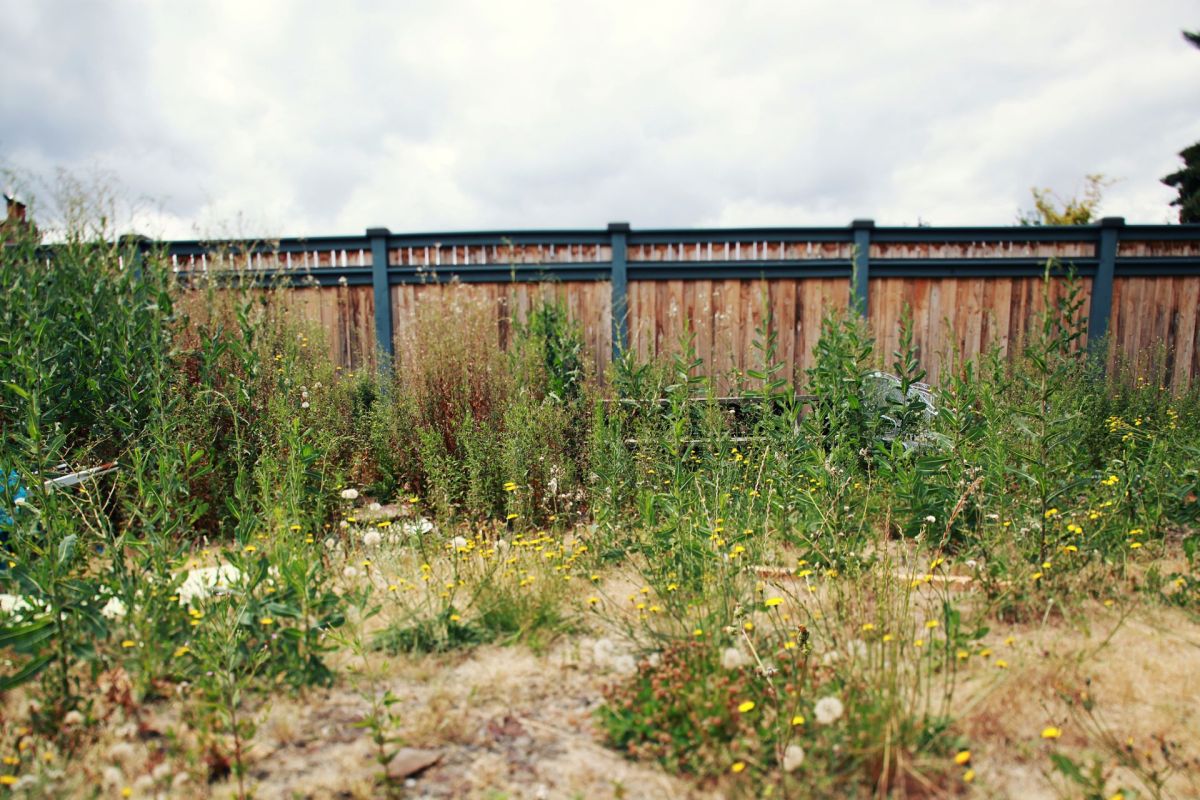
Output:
x=249 y=548
x=1051 y=512
x=968 y=776
x=182 y=651
x=962 y=655
x=748 y=625
x=267 y=621
x=737 y=767
x=773 y=601
x=962 y=757
x=1001 y=663
x=12 y=761
x=797 y=720
x=698 y=632
x=746 y=707
x=790 y=644
x=128 y=643
x=1134 y=545
x=1051 y=733
x=931 y=624
x=887 y=637
x=455 y=618
x=919 y=643
x=511 y=517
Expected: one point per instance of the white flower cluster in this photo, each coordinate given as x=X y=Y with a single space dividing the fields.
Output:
x=205 y=581
x=416 y=527
x=13 y=603
x=114 y=609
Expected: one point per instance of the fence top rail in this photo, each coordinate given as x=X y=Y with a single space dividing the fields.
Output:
x=1017 y=234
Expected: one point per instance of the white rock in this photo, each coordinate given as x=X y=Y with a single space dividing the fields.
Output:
x=624 y=664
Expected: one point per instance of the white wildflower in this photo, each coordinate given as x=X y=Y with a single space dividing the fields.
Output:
x=350 y=572
x=122 y=752
x=459 y=542
x=349 y=494
x=113 y=609
x=372 y=538
x=733 y=658
x=828 y=710
x=374 y=507
x=200 y=583
x=13 y=603
x=304 y=404
x=417 y=527
x=72 y=718
x=793 y=757
x=931 y=519
x=331 y=543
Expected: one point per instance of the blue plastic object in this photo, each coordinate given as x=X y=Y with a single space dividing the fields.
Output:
x=12 y=486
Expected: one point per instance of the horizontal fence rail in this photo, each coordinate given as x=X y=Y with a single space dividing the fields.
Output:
x=1141 y=281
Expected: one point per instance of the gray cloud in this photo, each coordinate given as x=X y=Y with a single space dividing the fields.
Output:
x=305 y=118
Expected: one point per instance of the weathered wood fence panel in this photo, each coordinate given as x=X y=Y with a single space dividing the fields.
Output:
x=968 y=289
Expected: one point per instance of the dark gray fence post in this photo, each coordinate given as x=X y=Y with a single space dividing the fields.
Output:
x=1102 y=287
x=618 y=232
x=860 y=270
x=383 y=295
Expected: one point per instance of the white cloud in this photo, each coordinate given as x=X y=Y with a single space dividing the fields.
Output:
x=289 y=118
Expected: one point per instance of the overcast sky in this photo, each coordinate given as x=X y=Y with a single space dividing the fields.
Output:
x=290 y=118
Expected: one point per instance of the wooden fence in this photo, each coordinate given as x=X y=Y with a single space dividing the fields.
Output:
x=969 y=289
